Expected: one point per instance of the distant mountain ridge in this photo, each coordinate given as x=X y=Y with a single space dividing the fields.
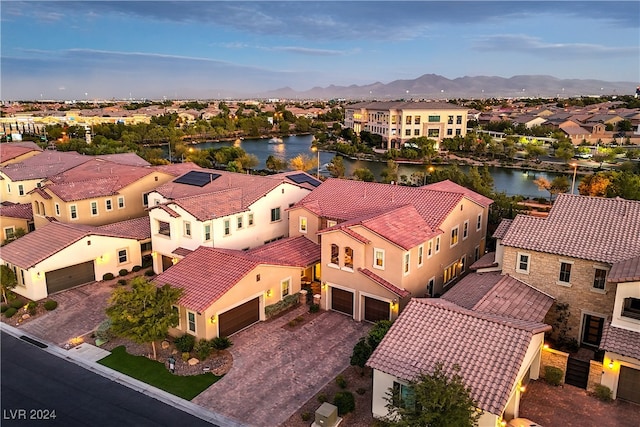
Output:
x=434 y=86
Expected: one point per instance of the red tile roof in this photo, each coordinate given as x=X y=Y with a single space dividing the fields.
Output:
x=489 y=349
x=295 y=251
x=591 y=228
x=183 y=252
x=622 y=341
x=138 y=228
x=486 y=261
x=471 y=288
x=43 y=165
x=502 y=229
x=11 y=150
x=402 y=293
x=177 y=169
x=452 y=187
x=627 y=270
x=131 y=159
x=18 y=210
x=402 y=226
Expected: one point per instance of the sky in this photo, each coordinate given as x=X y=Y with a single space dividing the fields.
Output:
x=87 y=50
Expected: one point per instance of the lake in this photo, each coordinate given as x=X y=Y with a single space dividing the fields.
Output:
x=510 y=181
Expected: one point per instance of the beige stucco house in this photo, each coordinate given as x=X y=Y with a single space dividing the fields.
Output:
x=14 y=217
x=15 y=152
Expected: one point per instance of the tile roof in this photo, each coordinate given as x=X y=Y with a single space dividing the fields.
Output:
x=177 y=169
x=627 y=270
x=591 y=228
x=213 y=205
x=131 y=159
x=452 y=187
x=502 y=229
x=471 y=288
x=489 y=349
x=295 y=251
x=486 y=261
x=43 y=165
x=18 y=210
x=137 y=228
x=622 y=341
x=343 y=200
x=402 y=293
x=183 y=252
x=11 y=150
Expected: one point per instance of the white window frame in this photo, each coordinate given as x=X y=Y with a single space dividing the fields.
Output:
x=240 y=222
x=274 y=211
x=406 y=263
x=420 y=256
x=72 y=209
x=430 y=248
x=204 y=232
x=145 y=199
x=226 y=226
x=121 y=205
x=375 y=258
x=20 y=190
x=465 y=230
x=520 y=270
x=479 y=222
x=438 y=244
x=187 y=229
x=282 y=288
x=303 y=224
x=195 y=323
x=56 y=207
x=250 y=220
x=108 y=205
x=571 y=271
x=126 y=255
x=454 y=231
x=92 y=204
x=13 y=232
x=606 y=273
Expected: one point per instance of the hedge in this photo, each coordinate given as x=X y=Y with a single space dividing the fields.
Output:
x=10 y=312
x=280 y=306
x=50 y=305
x=553 y=375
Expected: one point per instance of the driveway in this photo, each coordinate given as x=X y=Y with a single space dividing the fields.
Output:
x=276 y=370
x=572 y=406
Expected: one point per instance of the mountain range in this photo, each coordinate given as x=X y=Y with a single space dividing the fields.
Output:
x=433 y=86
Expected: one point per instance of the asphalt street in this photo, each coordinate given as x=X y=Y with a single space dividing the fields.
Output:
x=39 y=389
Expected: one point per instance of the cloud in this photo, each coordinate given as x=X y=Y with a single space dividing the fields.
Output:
x=309 y=51
x=535 y=46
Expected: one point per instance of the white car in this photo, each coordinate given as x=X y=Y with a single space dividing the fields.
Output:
x=522 y=422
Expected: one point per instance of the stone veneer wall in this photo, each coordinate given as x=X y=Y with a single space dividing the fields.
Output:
x=595 y=375
x=554 y=358
x=544 y=271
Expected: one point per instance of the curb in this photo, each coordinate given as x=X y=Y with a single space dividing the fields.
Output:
x=132 y=383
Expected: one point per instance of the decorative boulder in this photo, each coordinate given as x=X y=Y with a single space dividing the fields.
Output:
x=193 y=361
x=165 y=345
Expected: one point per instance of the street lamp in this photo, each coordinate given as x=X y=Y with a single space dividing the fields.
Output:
x=575 y=170
x=315 y=149
x=427 y=178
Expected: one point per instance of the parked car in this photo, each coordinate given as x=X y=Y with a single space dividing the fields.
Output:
x=522 y=422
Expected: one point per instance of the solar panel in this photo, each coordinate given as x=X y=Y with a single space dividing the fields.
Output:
x=301 y=178
x=197 y=178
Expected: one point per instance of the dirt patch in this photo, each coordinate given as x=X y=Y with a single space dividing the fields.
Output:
x=24 y=315
x=359 y=382
x=300 y=320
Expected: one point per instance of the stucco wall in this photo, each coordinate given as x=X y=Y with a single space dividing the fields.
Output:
x=15 y=223
x=611 y=375
x=14 y=196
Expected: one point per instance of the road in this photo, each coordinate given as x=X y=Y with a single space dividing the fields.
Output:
x=37 y=386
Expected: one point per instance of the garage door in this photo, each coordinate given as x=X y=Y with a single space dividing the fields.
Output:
x=342 y=301
x=68 y=277
x=239 y=318
x=628 y=384
x=375 y=310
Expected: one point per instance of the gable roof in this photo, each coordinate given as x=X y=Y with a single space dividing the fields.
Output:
x=11 y=150
x=592 y=228
x=502 y=229
x=488 y=348
x=627 y=270
x=487 y=260
x=402 y=293
x=43 y=165
x=622 y=341
x=295 y=251
x=17 y=210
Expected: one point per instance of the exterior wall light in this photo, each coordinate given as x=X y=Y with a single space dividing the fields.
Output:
x=269 y=293
x=523 y=388
x=324 y=285
x=611 y=364
x=213 y=319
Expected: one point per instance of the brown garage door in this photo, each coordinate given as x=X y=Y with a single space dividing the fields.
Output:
x=342 y=301
x=628 y=382
x=375 y=310
x=239 y=318
x=68 y=277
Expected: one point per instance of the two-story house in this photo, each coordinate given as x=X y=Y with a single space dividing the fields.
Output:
x=382 y=244
x=15 y=152
x=223 y=210
x=570 y=254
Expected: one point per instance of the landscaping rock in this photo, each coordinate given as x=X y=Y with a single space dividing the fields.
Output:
x=25 y=316
x=193 y=361
x=165 y=345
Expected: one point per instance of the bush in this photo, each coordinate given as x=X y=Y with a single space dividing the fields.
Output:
x=322 y=398
x=314 y=308
x=221 y=343
x=136 y=268
x=553 y=375
x=4 y=307
x=341 y=382
x=185 y=343
x=17 y=303
x=122 y=282
x=202 y=349
x=50 y=305
x=306 y=416
x=107 y=276
x=345 y=402
x=186 y=356
x=32 y=307
x=10 y=312
x=361 y=390
x=123 y=272
x=602 y=392
x=280 y=306
x=149 y=272
x=103 y=331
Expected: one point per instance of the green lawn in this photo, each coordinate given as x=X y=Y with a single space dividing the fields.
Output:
x=156 y=374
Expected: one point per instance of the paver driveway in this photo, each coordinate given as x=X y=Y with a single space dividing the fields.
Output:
x=276 y=370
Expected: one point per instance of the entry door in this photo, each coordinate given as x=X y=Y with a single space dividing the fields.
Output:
x=592 y=329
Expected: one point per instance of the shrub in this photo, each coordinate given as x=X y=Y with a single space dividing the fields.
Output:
x=103 y=330
x=202 y=349
x=322 y=398
x=4 y=307
x=50 y=305
x=221 y=343
x=280 y=306
x=186 y=356
x=345 y=402
x=341 y=382
x=107 y=276
x=17 y=303
x=149 y=272
x=553 y=375
x=361 y=390
x=185 y=343
x=602 y=392
x=122 y=282
x=123 y=272
x=306 y=416
x=10 y=312
x=314 y=308
x=32 y=307
x=136 y=268
x=293 y=322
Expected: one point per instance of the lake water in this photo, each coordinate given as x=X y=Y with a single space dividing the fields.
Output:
x=510 y=181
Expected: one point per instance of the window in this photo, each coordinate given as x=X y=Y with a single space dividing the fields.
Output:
x=187 y=229
x=437 y=244
x=348 y=257
x=458 y=132
x=122 y=256
x=479 y=222
x=407 y=120
x=176 y=310
x=429 y=248
x=191 y=322
x=94 y=208
x=42 y=209
x=434 y=119
x=257 y=277
x=420 y=255
x=37 y=207
x=476 y=253
x=335 y=253
x=250 y=219
x=416 y=120
x=465 y=230
x=416 y=132
x=407 y=132
x=145 y=247
x=454 y=236
x=433 y=133
x=331 y=223
x=22 y=282
x=239 y=220
x=458 y=120
x=522 y=264
x=631 y=308
x=275 y=214
x=565 y=272
x=73 y=211
x=463 y=263
x=21 y=189
x=303 y=224
x=449 y=132
x=8 y=188
x=600 y=278
x=378 y=258
x=120 y=202
x=450 y=120
x=227 y=227
x=207 y=232
x=284 y=285
x=57 y=208
x=407 y=259
x=145 y=199
x=108 y=204
x=164 y=228
x=9 y=233
x=403 y=396
x=451 y=272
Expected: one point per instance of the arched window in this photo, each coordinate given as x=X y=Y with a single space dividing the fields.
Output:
x=348 y=257
x=42 y=208
x=36 y=206
x=335 y=251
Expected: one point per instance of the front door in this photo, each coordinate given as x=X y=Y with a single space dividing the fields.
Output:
x=592 y=330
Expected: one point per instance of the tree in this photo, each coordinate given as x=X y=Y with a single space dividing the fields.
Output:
x=390 y=173
x=364 y=174
x=275 y=163
x=8 y=281
x=438 y=399
x=594 y=185
x=145 y=313
x=559 y=184
x=302 y=162
x=336 y=167
x=366 y=345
